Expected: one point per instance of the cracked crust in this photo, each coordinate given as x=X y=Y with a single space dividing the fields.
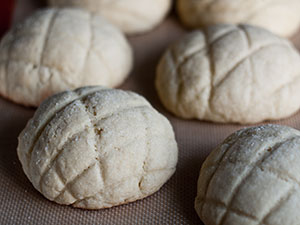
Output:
x=131 y=16
x=252 y=178
x=229 y=73
x=96 y=148
x=47 y=54
x=278 y=16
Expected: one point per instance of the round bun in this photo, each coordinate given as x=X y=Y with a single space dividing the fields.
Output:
x=281 y=17
x=95 y=148
x=253 y=177
x=59 y=49
x=229 y=73
x=131 y=16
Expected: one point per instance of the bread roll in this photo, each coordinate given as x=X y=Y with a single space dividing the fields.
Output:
x=252 y=178
x=61 y=49
x=95 y=148
x=227 y=73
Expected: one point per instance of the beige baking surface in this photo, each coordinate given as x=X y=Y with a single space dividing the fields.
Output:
x=20 y=203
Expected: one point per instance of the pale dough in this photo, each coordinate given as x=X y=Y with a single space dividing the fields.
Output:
x=131 y=16
x=96 y=148
x=60 y=49
x=229 y=73
x=252 y=178
x=279 y=16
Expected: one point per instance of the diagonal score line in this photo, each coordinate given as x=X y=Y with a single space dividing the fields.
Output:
x=194 y=53
x=60 y=177
x=47 y=38
x=90 y=44
x=19 y=61
x=244 y=57
x=120 y=182
x=220 y=161
x=92 y=127
x=212 y=71
x=197 y=51
x=245 y=35
x=50 y=68
x=55 y=157
x=66 y=187
x=125 y=109
x=247 y=173
x=97 y=53
x=49 y=118
x=247 y=39
x=279 y=89
x=285 y=197
x=285 y=177
x=147 y=149
x=99 y=162
x=240 y=213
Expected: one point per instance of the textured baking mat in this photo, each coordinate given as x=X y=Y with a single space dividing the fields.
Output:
x=20 y=203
